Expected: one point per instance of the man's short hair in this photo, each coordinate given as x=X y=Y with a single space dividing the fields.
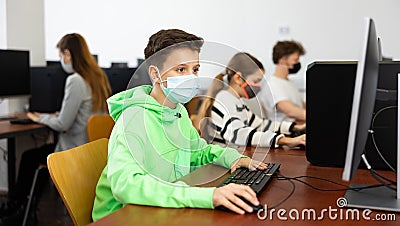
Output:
x=167 y=40
x=285 y=48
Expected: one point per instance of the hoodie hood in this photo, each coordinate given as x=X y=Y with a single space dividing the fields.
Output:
x=139 y=97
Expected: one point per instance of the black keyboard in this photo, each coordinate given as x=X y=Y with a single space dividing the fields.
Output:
x=257 y=179
x=21 y=121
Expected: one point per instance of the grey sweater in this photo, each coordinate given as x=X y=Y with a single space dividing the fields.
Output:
x=71 y=122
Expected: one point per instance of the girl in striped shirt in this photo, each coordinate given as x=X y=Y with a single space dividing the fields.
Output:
x=226 y=119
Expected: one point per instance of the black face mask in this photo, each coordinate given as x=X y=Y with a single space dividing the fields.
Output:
x=250 y=91
x=295 y=69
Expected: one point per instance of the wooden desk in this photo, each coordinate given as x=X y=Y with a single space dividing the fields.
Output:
x=10 y=132
x=293 y=163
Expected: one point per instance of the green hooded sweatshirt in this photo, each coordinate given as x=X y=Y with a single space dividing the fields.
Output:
x=150 y=147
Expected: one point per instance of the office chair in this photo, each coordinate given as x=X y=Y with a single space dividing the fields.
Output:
x=75 y=173
x=99 y=126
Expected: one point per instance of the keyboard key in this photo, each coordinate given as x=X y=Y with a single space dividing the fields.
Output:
x=257 y=180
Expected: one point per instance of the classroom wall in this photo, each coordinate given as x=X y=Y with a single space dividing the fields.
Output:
x=21 y=27
x=3 y=103
x=25 y=28
x=3 y=37
x=330 y=30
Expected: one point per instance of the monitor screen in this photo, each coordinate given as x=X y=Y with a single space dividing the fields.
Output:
x=47 y=89
x=57 y=63
x=119 y=78
x=363 y=100
x=15 y=73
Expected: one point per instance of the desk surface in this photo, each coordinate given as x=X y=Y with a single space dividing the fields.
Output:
x=8 y=130
x=11 y=131
x=293 y=163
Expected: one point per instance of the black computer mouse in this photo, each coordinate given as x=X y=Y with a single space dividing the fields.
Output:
x=255 y=208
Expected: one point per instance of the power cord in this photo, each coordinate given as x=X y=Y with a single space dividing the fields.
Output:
x=373 y=137
x=288 y=196
x=298 y=179
x=280 y=176
x=383 y=177
x=378 y=176
x=375 y=175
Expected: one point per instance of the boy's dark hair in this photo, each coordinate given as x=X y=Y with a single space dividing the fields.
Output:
x=171 y=39
x=285 y=48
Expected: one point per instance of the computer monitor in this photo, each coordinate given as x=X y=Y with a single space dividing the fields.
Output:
x=119 y=78
x=47 y=88
x=119 y=64
x=96 y=57
x=365 y=88
x=14 y=73
x=381 y=57
x=57 y=63
x=379 y=49
x=140 y=77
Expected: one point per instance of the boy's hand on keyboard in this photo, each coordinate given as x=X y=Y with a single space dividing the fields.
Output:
x=248 y=163
x=227 y=196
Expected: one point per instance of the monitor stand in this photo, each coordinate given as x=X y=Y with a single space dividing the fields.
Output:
x=380 y=198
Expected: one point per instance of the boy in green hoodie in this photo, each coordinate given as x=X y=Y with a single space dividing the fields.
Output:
x=153 y=142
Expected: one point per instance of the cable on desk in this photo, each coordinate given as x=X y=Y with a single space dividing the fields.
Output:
x=288 y=196
x=323 y=179
x=298 y=179
x=373 y=137
x=383 y=177
x=375 y=175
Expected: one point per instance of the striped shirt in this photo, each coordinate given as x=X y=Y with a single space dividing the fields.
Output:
x=233 y=122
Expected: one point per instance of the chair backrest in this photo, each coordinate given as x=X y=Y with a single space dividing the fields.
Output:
x=75 y=173
x=99 y=126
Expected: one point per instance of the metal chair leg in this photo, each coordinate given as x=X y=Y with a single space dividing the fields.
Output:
x=28 y=205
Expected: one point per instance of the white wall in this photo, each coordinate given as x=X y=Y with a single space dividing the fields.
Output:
x=118 y=30
x=21 y=27
x=3 y=26
x=3 y=45
x=25 y=28
x=3 y=103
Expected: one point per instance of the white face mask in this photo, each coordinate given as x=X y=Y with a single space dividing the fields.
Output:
x=67 y=67
x=181 y=89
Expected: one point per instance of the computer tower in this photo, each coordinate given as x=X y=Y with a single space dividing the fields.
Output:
x=329 y=95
